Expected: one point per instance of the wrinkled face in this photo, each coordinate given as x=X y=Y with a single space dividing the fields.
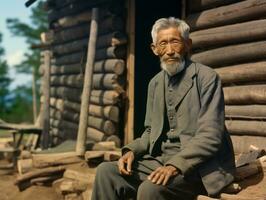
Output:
x=170 y=46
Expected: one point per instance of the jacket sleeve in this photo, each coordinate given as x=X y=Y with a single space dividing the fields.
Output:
x=140 y=146
x=210 y=127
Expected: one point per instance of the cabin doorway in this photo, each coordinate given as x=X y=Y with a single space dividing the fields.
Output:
x=147 y=64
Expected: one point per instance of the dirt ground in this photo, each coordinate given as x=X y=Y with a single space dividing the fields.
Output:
x=255 y=186
x=8 y=191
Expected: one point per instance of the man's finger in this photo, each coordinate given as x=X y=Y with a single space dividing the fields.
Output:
x=161 y=179
x=166 y=178
x=156 y=177
x=129 y=164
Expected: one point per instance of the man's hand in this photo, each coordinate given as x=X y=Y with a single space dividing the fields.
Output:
x=162 y=174
x=127 y=159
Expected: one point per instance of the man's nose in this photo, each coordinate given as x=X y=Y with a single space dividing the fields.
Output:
x=169 y=49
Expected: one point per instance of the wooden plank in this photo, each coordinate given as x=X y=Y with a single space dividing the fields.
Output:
x=45 y=138
x=87 y=86
x=230 y=34
x=199 y=5
x=245 y=112
x=130 y=90
x=245 y=95
x=243 y=73
x=232 y=54
x=230 y=14
x=242 y=143
x=244 y=127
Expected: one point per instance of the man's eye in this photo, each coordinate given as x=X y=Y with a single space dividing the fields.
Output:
x=162 y=44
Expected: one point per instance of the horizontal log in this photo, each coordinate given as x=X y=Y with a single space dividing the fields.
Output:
x=117 y=52
x=252 y=94
x=233 y=54
x=246 y=111
x=54 y=159
x=106 y=126
x=230 y=14
x=72 y=8
x=39 y=173
x=242 y=143
x=248 y=72
x=95 y=135
x=198 y=5
x=98 y=97
x=108 y=25
x=84 y=175
x=116 y=66
x=230 y=34
x=103 y=41
x=109 y=112
x=100 y=81
x=244 y=127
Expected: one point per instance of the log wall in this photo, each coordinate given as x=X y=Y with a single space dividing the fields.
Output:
x=67 y=39
x=230 y=36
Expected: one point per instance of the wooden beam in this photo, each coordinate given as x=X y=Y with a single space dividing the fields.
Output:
x=46 y=103
x=129 y=107
x=84 y=108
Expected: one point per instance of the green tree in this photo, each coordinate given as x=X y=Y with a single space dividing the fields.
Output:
x=31 y=32
x=4 y=82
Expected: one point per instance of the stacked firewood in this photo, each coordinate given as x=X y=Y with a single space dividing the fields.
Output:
x=68 y=41
x=230 y=36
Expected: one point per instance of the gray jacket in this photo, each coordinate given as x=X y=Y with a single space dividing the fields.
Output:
x=205 y=143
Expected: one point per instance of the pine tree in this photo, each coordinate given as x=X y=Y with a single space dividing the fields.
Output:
x=4 y=82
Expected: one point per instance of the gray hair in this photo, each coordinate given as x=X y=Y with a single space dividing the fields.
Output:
x=165 y=23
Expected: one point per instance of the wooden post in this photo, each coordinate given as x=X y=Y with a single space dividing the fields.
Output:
x=85 y=98
x=34 y=96
x=46 y=103
x=129 y=121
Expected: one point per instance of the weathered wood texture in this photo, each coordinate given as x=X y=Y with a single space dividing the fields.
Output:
x=244 y=127
x=109 y=25
x=69 y=111
x=242 y=143
x=250 y=94
x=109 y=39
x=248 y=112
x=232 y=54
x=198 y=5
x=230 y=34
x=116 y=66
x=75 y=7
x=117 y=52
x=100 y=81
x=242 y=73
x=98 y=97
x=230 y=14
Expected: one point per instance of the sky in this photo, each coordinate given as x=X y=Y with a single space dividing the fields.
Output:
x=15 y=47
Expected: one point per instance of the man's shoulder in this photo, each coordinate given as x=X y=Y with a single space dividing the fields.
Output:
x=204 y=72
x=156 y=78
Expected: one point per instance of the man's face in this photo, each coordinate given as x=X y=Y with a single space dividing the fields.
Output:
x=170 y=47
x=169 y=43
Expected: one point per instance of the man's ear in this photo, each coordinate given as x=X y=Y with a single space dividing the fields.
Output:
x=154 y=49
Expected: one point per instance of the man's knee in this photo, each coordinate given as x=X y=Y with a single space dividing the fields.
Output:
x=106 y=169
x=148 y=190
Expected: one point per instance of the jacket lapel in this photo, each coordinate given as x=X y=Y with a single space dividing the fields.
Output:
x=158 y=106
x=184 y=85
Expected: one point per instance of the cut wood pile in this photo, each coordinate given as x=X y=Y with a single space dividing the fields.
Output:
x=230 y=36
x=67 y=40
x=70 y=175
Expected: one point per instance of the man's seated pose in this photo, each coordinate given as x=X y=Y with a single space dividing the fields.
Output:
x=185 y=149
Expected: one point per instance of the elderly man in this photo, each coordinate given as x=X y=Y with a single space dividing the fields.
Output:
x=185 y=149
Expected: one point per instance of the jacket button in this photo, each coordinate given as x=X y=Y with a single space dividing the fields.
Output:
x=171 y=117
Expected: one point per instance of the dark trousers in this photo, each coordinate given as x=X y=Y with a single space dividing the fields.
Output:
x=111 y=185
